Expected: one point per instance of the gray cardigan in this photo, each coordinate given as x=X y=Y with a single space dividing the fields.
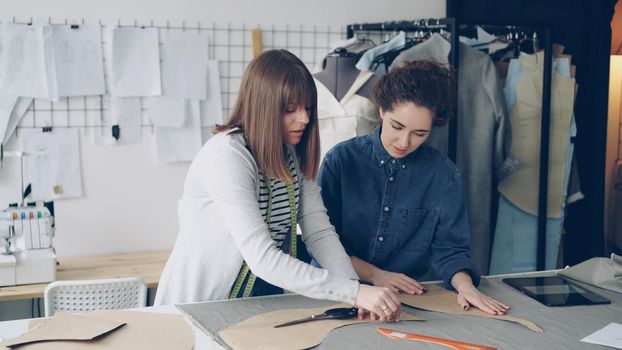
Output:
x=221 y=226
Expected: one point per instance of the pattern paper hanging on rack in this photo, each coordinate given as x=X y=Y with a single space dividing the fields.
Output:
x=167 y=112
x=19 y=109
x=125 y=114
x=184 y=64
x=52 y=163
x=211 y=109
x=27 y=61
x=135 y=62
x=78 y=60
x=7 y=102
x=180 y=144
x=229 y=52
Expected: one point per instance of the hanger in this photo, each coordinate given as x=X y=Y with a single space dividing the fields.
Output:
x=362 y=42
x=341 y=52
x=388 y=57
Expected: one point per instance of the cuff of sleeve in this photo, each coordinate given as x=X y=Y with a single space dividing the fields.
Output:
x=458 y=267
x=344 y=290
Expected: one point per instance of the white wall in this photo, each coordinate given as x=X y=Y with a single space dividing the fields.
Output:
x=321 y=12
x=129 y=201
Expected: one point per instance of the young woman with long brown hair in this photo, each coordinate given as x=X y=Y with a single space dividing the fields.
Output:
x=245 y=193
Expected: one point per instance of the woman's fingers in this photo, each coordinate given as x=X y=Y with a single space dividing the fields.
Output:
x=497 y=306
x=463 y=302
x=393 y=303
x=381 y=302
x=361 y=313
x=409 y=285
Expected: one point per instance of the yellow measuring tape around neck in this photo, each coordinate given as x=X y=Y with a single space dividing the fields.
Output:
x=292 y=241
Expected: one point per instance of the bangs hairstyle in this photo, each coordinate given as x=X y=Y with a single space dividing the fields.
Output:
x=272 y=81
x=425 y=83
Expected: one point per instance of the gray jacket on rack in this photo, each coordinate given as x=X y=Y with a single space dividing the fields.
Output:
x=483 y=134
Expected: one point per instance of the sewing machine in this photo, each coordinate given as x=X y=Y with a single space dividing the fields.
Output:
x=28 y=254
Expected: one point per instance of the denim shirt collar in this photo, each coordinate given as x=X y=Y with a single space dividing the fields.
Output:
x=383 y=157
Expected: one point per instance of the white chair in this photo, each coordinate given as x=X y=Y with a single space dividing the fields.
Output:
x=88 y=295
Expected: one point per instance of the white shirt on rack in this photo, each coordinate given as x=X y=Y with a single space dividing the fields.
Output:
x=341 y=120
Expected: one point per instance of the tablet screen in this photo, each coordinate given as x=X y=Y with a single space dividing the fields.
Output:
x=554 y=291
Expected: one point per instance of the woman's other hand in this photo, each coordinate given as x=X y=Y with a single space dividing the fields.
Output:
x=396 y=282
x=380 y=302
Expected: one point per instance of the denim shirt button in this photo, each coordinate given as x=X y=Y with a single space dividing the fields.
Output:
x=382 y=162
x=403 y=166
x=391 y=178
x=386 y=208
x=381 y=238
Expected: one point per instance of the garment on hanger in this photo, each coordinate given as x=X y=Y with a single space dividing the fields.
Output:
x=382 y=62
x=365 y=62
x=515 y=245
x=321 y=61
x=340 y=120
x=483 y=133
x=524 y=96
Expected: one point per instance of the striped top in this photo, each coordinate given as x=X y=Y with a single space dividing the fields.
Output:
x=280 y=222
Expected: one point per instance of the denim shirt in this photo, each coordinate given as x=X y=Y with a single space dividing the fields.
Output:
x=400 y=215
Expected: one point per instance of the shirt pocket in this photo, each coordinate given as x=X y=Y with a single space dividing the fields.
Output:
x=416 y=229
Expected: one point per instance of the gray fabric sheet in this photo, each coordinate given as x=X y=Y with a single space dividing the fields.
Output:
x=563 y=326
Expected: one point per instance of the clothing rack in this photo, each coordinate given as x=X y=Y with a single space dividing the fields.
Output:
x=427 y=25
x=543 y=35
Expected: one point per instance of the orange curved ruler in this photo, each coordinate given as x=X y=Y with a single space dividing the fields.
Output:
x=454 y=344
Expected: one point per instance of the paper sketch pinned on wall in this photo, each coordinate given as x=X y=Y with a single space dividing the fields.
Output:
x=126 y=114
x=211 y=108
x=18 y=112
x=184 y=64
x=7 y=102
x=78 y=60
x=135 y=62
x=52 y=163
x=167 y=112
x=27 y=61
x=180 y=144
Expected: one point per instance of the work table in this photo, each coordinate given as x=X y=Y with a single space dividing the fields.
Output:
x=146 y=265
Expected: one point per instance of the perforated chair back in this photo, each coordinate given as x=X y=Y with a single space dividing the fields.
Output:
x=89 y=295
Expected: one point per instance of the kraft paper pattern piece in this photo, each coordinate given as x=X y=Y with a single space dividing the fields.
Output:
x=65 y=326
x=439 y=299
x=142 y=330
x=258 y=332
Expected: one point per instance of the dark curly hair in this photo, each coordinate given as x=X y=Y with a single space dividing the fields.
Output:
x=425 y=83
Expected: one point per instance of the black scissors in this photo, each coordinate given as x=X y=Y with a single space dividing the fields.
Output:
x=340 y=313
